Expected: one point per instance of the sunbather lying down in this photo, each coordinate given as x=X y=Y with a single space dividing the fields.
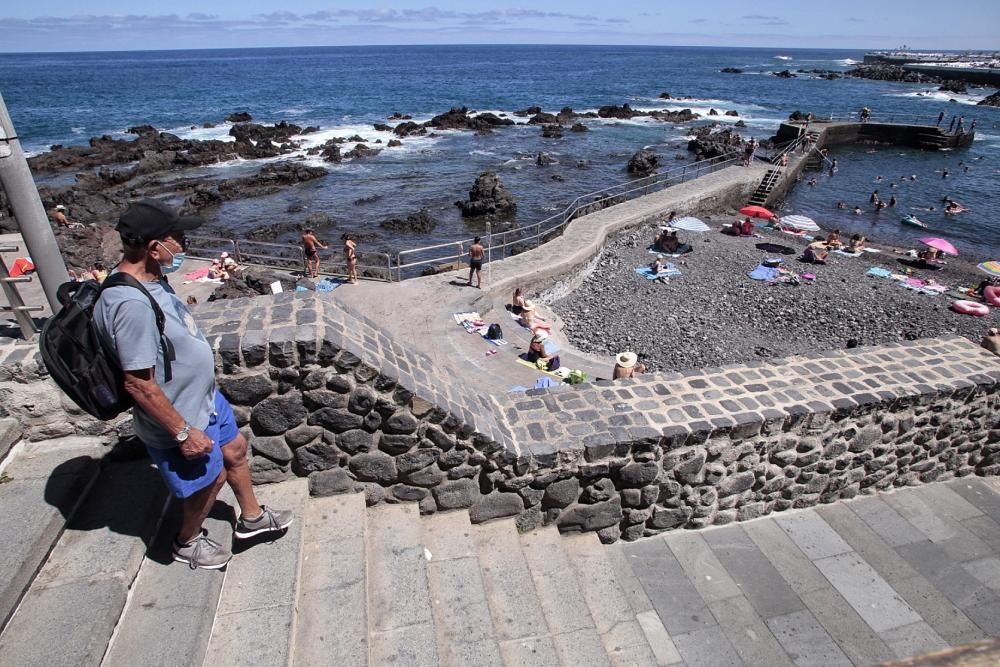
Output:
x=815 y=253
x=531 y=320
x=738 y=228
x=668 y=242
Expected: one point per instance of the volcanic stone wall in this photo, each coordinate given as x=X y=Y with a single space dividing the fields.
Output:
x=322 y=393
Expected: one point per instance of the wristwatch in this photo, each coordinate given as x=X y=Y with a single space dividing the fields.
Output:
x=182 y=435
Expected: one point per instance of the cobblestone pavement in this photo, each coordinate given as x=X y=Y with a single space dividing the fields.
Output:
x=858 y=582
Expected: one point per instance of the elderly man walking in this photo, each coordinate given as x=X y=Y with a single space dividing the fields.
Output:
x=186 y=424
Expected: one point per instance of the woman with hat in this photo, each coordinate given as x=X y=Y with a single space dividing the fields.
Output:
x=626 y=365
x=543 y=351
x=530 y=320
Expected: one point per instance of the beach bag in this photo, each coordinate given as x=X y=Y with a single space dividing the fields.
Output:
x=554 y=363
x=76 y=355
x=494 y=332
x=576 y=376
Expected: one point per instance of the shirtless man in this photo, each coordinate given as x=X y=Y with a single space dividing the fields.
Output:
x=59 y=216
x=476 y=255
x=351 y=258
x=311 y=246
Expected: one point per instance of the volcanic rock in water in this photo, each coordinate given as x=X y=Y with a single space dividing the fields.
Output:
x=530 y=111
x=731 y=70
x=542 y=118
x=990 y=101
x=579 y=127
x=552 y=131
x=566 y=116
x=682 y=116
x=713 y=112
x=362 y=151
x=709 y=144
x=400 y=116
x=408 y=128
x=421 y=222
x=544 y=159
x=329 y=151
x=888 y=72
x=455 y=119
x=739 y=123
x=270 y=179
x=664 y=95
x=785 y=74
x=623 y=112
x=142 y=129
x=643 y=163
x=393 y=143
x=239 y=117
x=382 y=127
x=732 y=112
x=488 y=196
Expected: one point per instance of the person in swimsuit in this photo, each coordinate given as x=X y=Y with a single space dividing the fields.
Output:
x=476 y=255
x=351 y=258
x=627 y=365
x=311 y=246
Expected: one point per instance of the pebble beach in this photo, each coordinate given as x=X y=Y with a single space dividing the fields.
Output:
x=714 y=314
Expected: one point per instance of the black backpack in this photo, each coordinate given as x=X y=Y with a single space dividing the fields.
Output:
x=77 y=356
x=494 y=332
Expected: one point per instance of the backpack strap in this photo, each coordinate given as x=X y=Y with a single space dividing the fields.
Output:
x=122 y=279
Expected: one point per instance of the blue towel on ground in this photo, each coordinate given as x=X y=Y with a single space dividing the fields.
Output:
x=326 y=286
x=668 y=271
x=764 y=273
x=542 y=383
x=879 y=272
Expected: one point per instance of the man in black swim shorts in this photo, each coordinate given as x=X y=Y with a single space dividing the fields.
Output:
x=476 y=255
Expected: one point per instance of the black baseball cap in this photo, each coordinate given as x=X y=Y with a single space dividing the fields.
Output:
x=150 y=219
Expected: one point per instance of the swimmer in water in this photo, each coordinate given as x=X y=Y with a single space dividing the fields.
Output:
x=878 y=179
x=857 y=210
x=841 y=204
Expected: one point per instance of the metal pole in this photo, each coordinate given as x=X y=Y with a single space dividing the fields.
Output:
x=489 y=254
x=15 y=177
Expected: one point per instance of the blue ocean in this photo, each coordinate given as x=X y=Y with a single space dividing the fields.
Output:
x=67 y=98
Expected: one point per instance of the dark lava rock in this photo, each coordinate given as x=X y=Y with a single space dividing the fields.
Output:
x=990 y=101
x=709 y=143
x=544 y=159
x=419 y=222
x=530 y=111
x=785 y=74
x=408 y=128
x=731 y=70
x=142 y=130
x=393 y=143
x=488 y=196
x=682 y=116
x=239 y=117
x=275 y=415
x=579 y=127
x=362 y=151
x=643 y=163
x=330 y=482
x=664 y=96
x=495 y=506
x=552 y=131
x=623 y=112
x=400 y=116
x=732 y=112
x=543 y=118
x=382 y=127
x=713 y=112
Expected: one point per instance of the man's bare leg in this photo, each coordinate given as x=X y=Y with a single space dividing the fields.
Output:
x=196 y=507
x=479 y=278
x=234 y=458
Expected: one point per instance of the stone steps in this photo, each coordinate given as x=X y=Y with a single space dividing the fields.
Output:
x=171 y=608
x=71 y=609
x=46 y=483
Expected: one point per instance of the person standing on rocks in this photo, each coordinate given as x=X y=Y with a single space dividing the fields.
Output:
x=351 y=258
x=311 y=246
x=476 y=256
x=186 y=424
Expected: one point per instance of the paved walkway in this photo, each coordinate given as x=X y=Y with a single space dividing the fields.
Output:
x=858 y=582
x=418 y=312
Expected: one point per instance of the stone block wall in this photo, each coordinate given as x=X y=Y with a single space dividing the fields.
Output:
x=330 y=398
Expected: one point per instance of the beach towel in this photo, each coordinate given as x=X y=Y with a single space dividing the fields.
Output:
x=525 y=362
x=871 y=250
x=668 y=271
x=544 y=383
x=327 y=285
x=847 y=254
x=301 y=288
x=808 y=276
x=879 y=272
x=664 y=254
x=762 y=272
x=473 y=322
x=197 y=273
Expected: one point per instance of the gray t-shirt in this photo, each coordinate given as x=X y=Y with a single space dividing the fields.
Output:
x=127 y=320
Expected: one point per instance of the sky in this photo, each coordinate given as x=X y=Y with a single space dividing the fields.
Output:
x=111 y=25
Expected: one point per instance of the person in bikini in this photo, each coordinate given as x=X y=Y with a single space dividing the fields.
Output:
x=351 y=258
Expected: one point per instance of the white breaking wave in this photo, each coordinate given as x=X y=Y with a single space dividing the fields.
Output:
x=941 y=96
x=847 y=62
x=783 y=57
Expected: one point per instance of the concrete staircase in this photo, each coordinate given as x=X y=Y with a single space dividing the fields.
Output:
x=346 y=585
x=767 y=184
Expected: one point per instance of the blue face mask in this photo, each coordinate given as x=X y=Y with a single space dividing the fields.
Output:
x=178 y=259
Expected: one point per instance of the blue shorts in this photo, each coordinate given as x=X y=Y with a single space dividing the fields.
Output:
x=185 y=477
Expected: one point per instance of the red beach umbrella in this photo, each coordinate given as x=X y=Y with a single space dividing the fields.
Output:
x=940 y=244
x=756 y=212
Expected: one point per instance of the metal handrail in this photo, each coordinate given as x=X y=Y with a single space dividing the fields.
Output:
x=556 y=223
x=880 y=118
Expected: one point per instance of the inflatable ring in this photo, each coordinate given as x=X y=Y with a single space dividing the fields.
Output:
x=970 y=308
x=992 y=294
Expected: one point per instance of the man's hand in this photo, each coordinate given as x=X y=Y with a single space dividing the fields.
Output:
x=197 y=445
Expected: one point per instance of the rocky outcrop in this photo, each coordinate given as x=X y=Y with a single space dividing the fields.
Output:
x=458 y=118
x=552 y=131
x=887 y=72
x=420 y=222
x=544 y=159
x=643 y=163
x=488 y=196
x=579 y=127
x=400 y=116
x=362 y=151
x=990 y=101
x=784 y=74
x=255 y=282
x=542 y=118
x=239 y=117
x=731 y=70
x=709 y=142
x=270 y=179
x=623 y=112
x=408 y=128
x=682 y=116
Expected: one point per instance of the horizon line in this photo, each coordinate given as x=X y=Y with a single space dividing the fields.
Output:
x=507 y=44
